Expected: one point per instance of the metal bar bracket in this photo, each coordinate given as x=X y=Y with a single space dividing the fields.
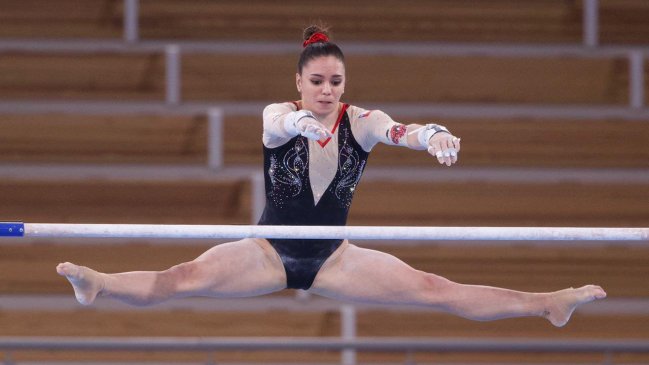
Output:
x=12 y=229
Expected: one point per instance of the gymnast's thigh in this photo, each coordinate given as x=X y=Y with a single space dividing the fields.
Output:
x=361 y=274
x=238 y=269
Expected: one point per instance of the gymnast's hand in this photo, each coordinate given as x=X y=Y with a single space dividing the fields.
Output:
x=304 y=123
x=445 y=147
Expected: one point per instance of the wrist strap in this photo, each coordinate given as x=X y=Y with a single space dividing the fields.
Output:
x=425 y=133
x=291 y=120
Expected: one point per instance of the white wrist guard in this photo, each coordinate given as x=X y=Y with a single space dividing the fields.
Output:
x=425 y=133
x=291 y=121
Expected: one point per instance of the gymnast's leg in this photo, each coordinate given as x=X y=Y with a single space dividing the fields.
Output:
x=236 y=269
x=363 y=275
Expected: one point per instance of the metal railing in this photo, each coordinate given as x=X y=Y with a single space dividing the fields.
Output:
x=407 y=346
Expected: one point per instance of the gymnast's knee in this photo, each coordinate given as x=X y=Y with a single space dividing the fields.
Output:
x=436 y=289
x=184 y=278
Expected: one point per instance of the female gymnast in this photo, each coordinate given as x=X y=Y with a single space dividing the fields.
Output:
x=315 y=150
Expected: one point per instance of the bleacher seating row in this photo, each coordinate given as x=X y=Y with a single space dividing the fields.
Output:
x=173 y=140
x=245 y=77
x=546 y=21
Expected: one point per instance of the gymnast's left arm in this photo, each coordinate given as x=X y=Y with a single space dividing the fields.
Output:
x=374 y=126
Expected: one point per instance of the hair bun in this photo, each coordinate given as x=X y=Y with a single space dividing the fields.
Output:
x=309 y=35
x=316 y=38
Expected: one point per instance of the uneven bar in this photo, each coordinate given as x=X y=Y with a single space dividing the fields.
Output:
x=338 y=232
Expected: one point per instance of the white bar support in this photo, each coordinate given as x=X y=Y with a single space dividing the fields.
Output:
x=636 y=80
x=590 y=23
x=348 y=332
x=215 y=138
x=131 y=20
x=375 y=344
x=172 y=63
x=258 y=196
x=302 y=295
x=63 y=230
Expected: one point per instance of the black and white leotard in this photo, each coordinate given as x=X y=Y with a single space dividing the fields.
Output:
x=312 y=182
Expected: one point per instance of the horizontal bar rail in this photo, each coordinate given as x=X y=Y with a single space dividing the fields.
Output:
x=383 y=344
x=401 y=110
x=302 y=301
x=351 y=48
x=63 y=230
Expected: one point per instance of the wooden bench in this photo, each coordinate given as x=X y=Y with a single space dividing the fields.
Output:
x=241 y=77
x=164 y=140
x=378 y=202
x=485 y=203
x=90 y=323
x=623 y=22
x=66 y=19
x=126 y=201
x=548 y=21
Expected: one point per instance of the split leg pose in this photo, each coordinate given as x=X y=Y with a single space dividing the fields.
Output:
x=250 y=267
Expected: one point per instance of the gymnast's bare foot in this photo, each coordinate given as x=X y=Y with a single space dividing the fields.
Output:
x=87 y=283
x=562 y=303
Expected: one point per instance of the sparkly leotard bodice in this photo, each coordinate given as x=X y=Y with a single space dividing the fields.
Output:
x=290 y=199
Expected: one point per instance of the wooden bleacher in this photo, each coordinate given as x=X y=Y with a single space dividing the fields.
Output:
x=466 y=203
x=128 y=201
x=620 y=270
x=169 y=140
x=237 y=77
x=27 y=268
x=142 y=139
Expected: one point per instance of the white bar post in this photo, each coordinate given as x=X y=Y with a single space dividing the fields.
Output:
x=215 y=138
x=636 y=80
x=591 y=23
x=348 y=332
x=131 y=20
x=258 y=196
x=172 y=57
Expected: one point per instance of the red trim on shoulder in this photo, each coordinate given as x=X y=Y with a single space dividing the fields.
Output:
x=297 y=104
x=333 y=130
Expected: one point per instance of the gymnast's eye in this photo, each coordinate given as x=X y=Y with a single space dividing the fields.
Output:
x=336 y=82
x=316 y=82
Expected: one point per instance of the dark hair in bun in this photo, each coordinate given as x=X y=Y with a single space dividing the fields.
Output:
x=317 y=44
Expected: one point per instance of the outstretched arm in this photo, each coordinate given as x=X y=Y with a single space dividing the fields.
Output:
x=374 y=126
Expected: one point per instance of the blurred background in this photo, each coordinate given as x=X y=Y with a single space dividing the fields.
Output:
x=143 y=111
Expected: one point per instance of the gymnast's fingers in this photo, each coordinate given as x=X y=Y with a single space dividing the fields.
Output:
x=456 y=143
x=437 y=153
x=315 y=130
x=450 y=147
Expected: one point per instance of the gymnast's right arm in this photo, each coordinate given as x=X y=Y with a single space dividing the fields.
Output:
x=283 y=122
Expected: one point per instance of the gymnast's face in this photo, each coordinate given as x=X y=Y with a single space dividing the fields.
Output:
x=321 y=85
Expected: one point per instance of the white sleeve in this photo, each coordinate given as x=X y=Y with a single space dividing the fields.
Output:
x=274 y=134
x=373 y=126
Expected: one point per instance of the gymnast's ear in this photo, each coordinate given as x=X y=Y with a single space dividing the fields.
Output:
x=298 y=82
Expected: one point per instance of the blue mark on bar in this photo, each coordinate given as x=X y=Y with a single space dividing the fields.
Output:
x=12 y=229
